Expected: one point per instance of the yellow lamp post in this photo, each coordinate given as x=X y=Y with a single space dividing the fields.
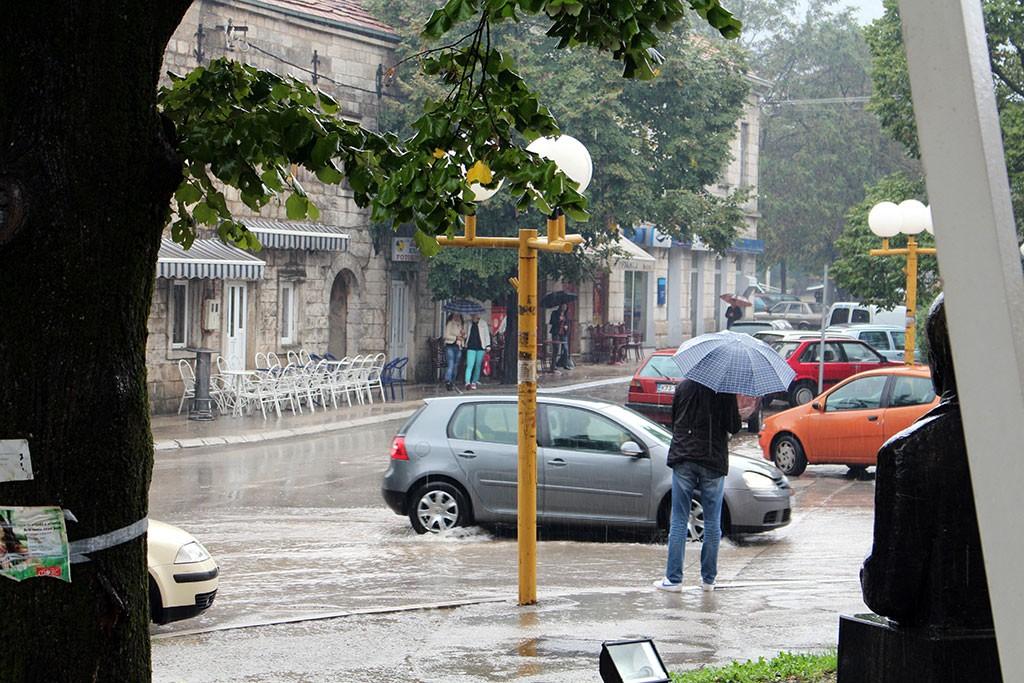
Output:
x=572 y=159
x=909 y=217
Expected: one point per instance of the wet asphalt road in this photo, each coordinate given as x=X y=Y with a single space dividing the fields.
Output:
x=300 y=531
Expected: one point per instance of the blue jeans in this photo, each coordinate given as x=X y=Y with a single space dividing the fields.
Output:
x=453 y=353
x=687 y=478
x=474 y=361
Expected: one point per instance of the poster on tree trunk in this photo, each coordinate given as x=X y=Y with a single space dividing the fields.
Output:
x=33 y=543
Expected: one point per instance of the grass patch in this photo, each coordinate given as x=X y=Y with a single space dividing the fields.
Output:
x=785 y=668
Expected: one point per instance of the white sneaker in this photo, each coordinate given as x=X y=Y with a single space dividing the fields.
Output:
x=666 y=585
x=707 y=587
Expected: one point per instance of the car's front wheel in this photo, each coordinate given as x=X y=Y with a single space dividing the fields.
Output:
x=437 y=507
x=788 y=454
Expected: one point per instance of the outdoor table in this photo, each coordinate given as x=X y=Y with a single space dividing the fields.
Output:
x=235 y=379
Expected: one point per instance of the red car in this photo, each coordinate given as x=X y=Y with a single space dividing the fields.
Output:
x=844 y=357
x=654 y=385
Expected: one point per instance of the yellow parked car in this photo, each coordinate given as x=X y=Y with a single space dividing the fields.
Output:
x=183 y=577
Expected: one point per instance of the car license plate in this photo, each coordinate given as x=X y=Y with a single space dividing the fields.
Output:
x=666 y=388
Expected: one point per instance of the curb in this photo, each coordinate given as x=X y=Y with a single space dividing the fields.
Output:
x=199 y=442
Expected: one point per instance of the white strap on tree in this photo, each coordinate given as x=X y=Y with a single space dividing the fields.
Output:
x=79 y=549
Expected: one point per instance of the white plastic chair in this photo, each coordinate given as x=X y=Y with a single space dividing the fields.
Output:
x=188 y=380
x=373 y=376
x=260 y=356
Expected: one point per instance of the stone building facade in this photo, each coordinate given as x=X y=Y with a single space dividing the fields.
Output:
x=322 y=287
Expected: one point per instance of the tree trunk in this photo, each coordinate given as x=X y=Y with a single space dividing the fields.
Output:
x=86 y=175
x=782 y=276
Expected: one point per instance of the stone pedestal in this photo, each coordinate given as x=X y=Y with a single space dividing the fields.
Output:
x=871 y=650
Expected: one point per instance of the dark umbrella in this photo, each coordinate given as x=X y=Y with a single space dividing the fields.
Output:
x=464 y=306
x=552 y=299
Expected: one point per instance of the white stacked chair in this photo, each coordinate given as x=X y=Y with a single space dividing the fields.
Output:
x=188 y=380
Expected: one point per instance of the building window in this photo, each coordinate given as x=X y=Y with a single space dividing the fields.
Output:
x=744 y=153
x=287 y=313
x=179 y=314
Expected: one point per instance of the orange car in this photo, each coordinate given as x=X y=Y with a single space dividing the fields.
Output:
x=847 y=424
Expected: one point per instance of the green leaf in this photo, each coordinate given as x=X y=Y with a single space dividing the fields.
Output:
x=188 y=193
x=296 y=207
x=427 y=244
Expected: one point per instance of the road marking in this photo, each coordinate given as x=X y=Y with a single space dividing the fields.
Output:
x=451 y=604
x=585 y=385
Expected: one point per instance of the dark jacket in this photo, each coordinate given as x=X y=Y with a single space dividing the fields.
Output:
x=701 y=423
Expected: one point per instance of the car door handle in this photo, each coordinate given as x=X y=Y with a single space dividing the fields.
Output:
x=557 y=462
x=872 y=418
x=467 y=454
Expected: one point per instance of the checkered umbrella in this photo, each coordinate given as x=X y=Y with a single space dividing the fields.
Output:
x=464 y=306
x=734 y=363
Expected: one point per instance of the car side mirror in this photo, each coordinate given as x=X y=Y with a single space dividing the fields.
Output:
x=632 y=449
x=816 y=405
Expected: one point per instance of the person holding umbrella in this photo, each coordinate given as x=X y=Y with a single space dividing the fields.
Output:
x=454 y=340
x=702 y=421
x=715 y=368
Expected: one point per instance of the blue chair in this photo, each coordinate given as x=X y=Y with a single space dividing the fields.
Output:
x=393 y=375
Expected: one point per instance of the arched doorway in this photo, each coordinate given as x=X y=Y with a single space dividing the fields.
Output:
x=337 y=336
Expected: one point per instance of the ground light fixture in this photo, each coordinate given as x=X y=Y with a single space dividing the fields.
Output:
x=631 y=661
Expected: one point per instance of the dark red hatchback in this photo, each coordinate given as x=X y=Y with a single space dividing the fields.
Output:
x=654 y=384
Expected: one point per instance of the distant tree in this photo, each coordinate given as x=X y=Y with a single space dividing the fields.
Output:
x=656 y=144
x=892 y=102
x=816 y=156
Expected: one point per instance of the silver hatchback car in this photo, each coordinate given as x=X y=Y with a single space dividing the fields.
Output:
x=453 y=463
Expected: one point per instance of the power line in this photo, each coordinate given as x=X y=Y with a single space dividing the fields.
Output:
x=821 y=100
x=311 y=72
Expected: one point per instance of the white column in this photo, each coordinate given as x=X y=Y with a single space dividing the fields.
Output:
x=652 y=308
x=963 y=159
x=673 y=297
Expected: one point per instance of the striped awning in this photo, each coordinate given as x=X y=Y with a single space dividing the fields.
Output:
x=276 y=234
x=207 y=259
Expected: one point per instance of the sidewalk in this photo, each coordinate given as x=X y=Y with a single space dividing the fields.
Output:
x=171 y=432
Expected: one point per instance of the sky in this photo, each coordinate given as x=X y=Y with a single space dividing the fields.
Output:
x=867 y=10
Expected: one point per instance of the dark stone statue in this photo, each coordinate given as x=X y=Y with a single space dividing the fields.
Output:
x=925 y=567
x=925 y=572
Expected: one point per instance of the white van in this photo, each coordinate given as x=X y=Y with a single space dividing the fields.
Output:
x=853 y=313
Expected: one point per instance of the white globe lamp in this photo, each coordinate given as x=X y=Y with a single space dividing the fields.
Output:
x=914 y=217
x=929 y=227
x=569 y=154
x=885 y=219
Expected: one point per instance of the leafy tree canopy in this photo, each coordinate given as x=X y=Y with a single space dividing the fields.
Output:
x=819 y=146
x=891 y=100
x=245 y=127
x=656 y=144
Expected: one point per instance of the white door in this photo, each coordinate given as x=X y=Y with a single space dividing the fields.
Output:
x=235 y=322
x=398 y=332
